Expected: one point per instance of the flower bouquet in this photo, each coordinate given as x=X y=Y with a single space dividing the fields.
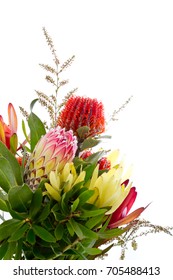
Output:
x=67 y=198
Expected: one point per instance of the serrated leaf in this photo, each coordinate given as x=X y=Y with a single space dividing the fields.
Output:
x=43 y=234
x=20 y=197
x=89 y=143
x=36 y=203
x=37 y=129
x=59 y=231
x=8 y=227
x=19 y=233
x=13 y=163
x=7 y=177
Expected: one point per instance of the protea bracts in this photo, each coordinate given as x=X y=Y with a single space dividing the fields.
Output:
x=83 y=111
x=53 y=151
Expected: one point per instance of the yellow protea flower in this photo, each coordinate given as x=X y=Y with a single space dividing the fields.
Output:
x=109 y=188
x=64 y=179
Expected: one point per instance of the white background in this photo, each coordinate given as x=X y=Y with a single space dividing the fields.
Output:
x=122 y=48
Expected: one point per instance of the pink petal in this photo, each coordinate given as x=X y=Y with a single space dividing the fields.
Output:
x=12 y=117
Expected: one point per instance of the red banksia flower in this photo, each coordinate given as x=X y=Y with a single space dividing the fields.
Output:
x=82 y=111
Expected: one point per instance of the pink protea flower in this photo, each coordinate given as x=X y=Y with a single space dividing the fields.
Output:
x=81 y=111
x=53 y=150
x=120 y=217
x=7 y=131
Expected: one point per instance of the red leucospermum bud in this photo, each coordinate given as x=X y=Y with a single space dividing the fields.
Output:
x=83 y=111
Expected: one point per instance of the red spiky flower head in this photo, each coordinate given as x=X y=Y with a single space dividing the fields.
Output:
x=83 y=111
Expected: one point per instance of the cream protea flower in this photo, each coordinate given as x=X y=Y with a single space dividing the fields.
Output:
x=63 y=180
x=57 y=147
x=109 y=188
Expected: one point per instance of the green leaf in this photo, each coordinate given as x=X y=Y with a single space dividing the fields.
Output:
x=44 y=213
x=19 y=233
x=33 y=103
x=36 y=203
x=93 y=251
x=37 y=129
x=92 y=213
x=3 y=205
x=76 y=228
x=93 y=159
x=59 y=231
x=16 y=168
x=24 y=131
x=3 y=249
x=97 y=220
x=13 y=143
x=30 y=237
x=8 y=227
x=110 y=233
x=89 y=143
x=20 y=197
x=84 y=196
x=7 y=178
x=43 y=234
x=88 y=233
x=70 y=229
x=82 y=131
x=75 y=204
x=11 y=251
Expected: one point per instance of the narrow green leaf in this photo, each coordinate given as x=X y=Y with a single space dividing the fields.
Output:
x=19 y=233
x=20 y=197
x=36 y=203
x=30 y=237
x=8 y=227
x=7 y=178
x=13 y=143
x=97 y=220
x=76 y=228
x=93 y=251
x=70 y=229
x=84 y=196
x=108 y=234
x=3 y=249
x=13 y=163
x=75 y=204
x=92 y=213
x=93 y=159
x=11 y=251
x=43 y=234
x=24 y=131
x=33 y=103
x=3 y=205
x=44 y=213
x=59 y=231
x=88 y=233
x=37 y=129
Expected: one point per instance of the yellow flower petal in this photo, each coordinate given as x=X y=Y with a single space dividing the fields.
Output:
x=53 y=193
